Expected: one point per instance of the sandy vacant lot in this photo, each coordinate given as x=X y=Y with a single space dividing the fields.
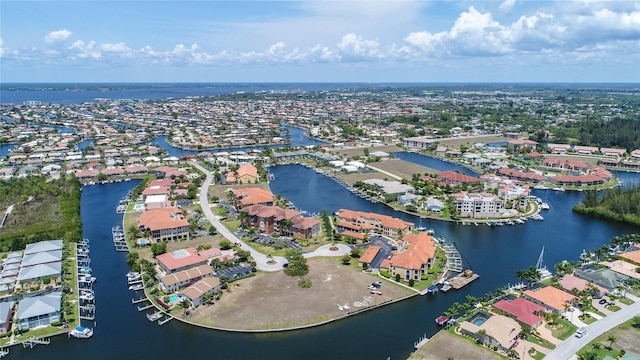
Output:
x=402 y=168
x=359 y=151
x=445 y=344
x=275 y=301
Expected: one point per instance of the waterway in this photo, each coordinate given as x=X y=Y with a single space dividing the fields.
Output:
x=495 y=253
x=433 y=163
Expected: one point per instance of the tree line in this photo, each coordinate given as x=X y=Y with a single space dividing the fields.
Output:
x=613 y=204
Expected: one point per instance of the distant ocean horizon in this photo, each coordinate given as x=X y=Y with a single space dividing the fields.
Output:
x=76 y=93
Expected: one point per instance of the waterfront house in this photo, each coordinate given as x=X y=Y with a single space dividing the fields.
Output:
x=477 y=205
x=6 y=311
x=523 y=310
x=603 y=277
x=493 y=330
x=178 y=280
x=418 y=142
x=390 y=187
x=39 y=272
x=571 y=283
x=165 y=224
x=37 y=311
x=550 y=297
x=433 y=204
x=415 y=256
x=363 y=222
x=196 y=292
x=179 y=260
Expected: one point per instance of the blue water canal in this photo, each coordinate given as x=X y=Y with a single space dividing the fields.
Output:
x=495 y=253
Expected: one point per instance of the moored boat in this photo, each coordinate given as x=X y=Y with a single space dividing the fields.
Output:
x=81 y=332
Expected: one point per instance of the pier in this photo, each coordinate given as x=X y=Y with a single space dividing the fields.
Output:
x=423 y=340
x=164 y=321
x=4 y=352
x=119 y=241
x=146 y=307
x=87 y=317
x=462 y=280
x=142 y=299
x=454 y=260
x=36 y=341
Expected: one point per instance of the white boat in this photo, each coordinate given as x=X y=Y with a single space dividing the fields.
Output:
x=544 y=206
x=558 y=189
x=136 y=287
x=537 y=217
x=86 y=296
x=81 y=332
x=132 y=275
x=445 y=286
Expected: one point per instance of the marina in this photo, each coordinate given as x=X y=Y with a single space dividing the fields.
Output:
x=155 y=316
x=463 y=279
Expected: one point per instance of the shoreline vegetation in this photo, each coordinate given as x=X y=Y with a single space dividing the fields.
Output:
x=614 y=205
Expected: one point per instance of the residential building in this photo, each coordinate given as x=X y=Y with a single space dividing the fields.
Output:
x=6 y=311
x=368 y=255
x=363 y=222
x=252 y=196
x=178 y=280
x=272 y=219
x=571 y=283
x=523 y=310
x=550 y=297
x=179 y=260
x=196 y=292
x=165 y=224
x=496 y=331
x=456 y=178
x=477 y=205
x=37 y=311
x=415 y=256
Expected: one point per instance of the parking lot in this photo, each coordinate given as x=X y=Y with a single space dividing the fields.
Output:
x=271 y=241
x=385 y=249
x=234 y=272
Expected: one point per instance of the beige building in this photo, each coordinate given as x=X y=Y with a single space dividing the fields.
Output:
x=495 y=330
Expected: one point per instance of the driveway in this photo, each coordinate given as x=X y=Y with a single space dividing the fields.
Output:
x=569 y=347
x=260 y=258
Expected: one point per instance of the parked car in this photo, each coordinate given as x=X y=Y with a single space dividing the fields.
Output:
x=602 y=301
x=371 y=287
x=378 y=283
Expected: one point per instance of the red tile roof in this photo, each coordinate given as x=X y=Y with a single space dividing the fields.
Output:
x=253 y=195
x=418 y=252
x=452 y=176
x=165 y=218
x=369 y=254
x=523 y=309
x=180 y=258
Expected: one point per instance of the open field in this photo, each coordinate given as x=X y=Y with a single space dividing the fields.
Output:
x=359 y=151
x=444 y=345
x=275 y=301
x=402 y=168
x=455 y=142
x=626 y=339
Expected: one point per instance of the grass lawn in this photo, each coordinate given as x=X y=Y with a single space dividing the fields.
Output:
x=613 y=308
x=602 y=353
x=562 y=330
x=587 y=319
x=539 y=355
x=598 y=312
x=626 y=301
x=232 y=224
x=542 y=342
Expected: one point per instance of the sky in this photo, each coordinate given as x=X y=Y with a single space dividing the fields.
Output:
x=320 y=41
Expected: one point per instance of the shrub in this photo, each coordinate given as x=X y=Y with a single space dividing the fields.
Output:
x=304 y=283
x=385 y=274
x=398 y=277
x=411 y=282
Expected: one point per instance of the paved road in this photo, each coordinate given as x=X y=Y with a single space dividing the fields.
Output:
x=260 y=258
x=570 y=347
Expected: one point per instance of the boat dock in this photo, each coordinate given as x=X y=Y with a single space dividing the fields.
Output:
x=119 y=239
x=4 y=352
x=462 y=280
x=420 y=343
x=164 y=321
x=454 y=260
x=146 y=307
x=35 y=341
x=142 y=299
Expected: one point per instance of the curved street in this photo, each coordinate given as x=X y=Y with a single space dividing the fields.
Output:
x=262 y=262
x=568 y=348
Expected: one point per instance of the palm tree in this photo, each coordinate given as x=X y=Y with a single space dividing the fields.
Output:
x=611 y=339
x=596 y=346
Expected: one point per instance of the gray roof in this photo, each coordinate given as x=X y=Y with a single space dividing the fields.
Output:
x=39 y=305
x=389 y=187
x=42 y=258
x=15 y=254
x=43 y=246
x=5 y=307
x=40 y=271
x=604 y=277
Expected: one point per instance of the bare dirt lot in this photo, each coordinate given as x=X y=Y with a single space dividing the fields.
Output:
x=275 y=301
x=359 y=151
x=402 y=168
x=445 y=344
x=455 y=142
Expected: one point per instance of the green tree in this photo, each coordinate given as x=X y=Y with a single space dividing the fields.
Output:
x=297 y=263
x=158 y=248
x=346 y=259
x=612 y=340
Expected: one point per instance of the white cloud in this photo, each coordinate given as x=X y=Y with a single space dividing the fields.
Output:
x=57 y=36
x=507 y=5
x=356 y=47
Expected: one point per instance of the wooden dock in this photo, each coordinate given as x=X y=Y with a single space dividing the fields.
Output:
x=35 y=341
x=164 y=321
x=423 y=340
x=142 y=299
x=146 y=307
x=461 y=280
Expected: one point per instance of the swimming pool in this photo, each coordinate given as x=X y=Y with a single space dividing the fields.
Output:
x=173 y=298
x=138 y=207
x=479 y=319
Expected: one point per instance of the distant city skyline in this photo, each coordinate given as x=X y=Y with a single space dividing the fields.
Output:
x=320 y=41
